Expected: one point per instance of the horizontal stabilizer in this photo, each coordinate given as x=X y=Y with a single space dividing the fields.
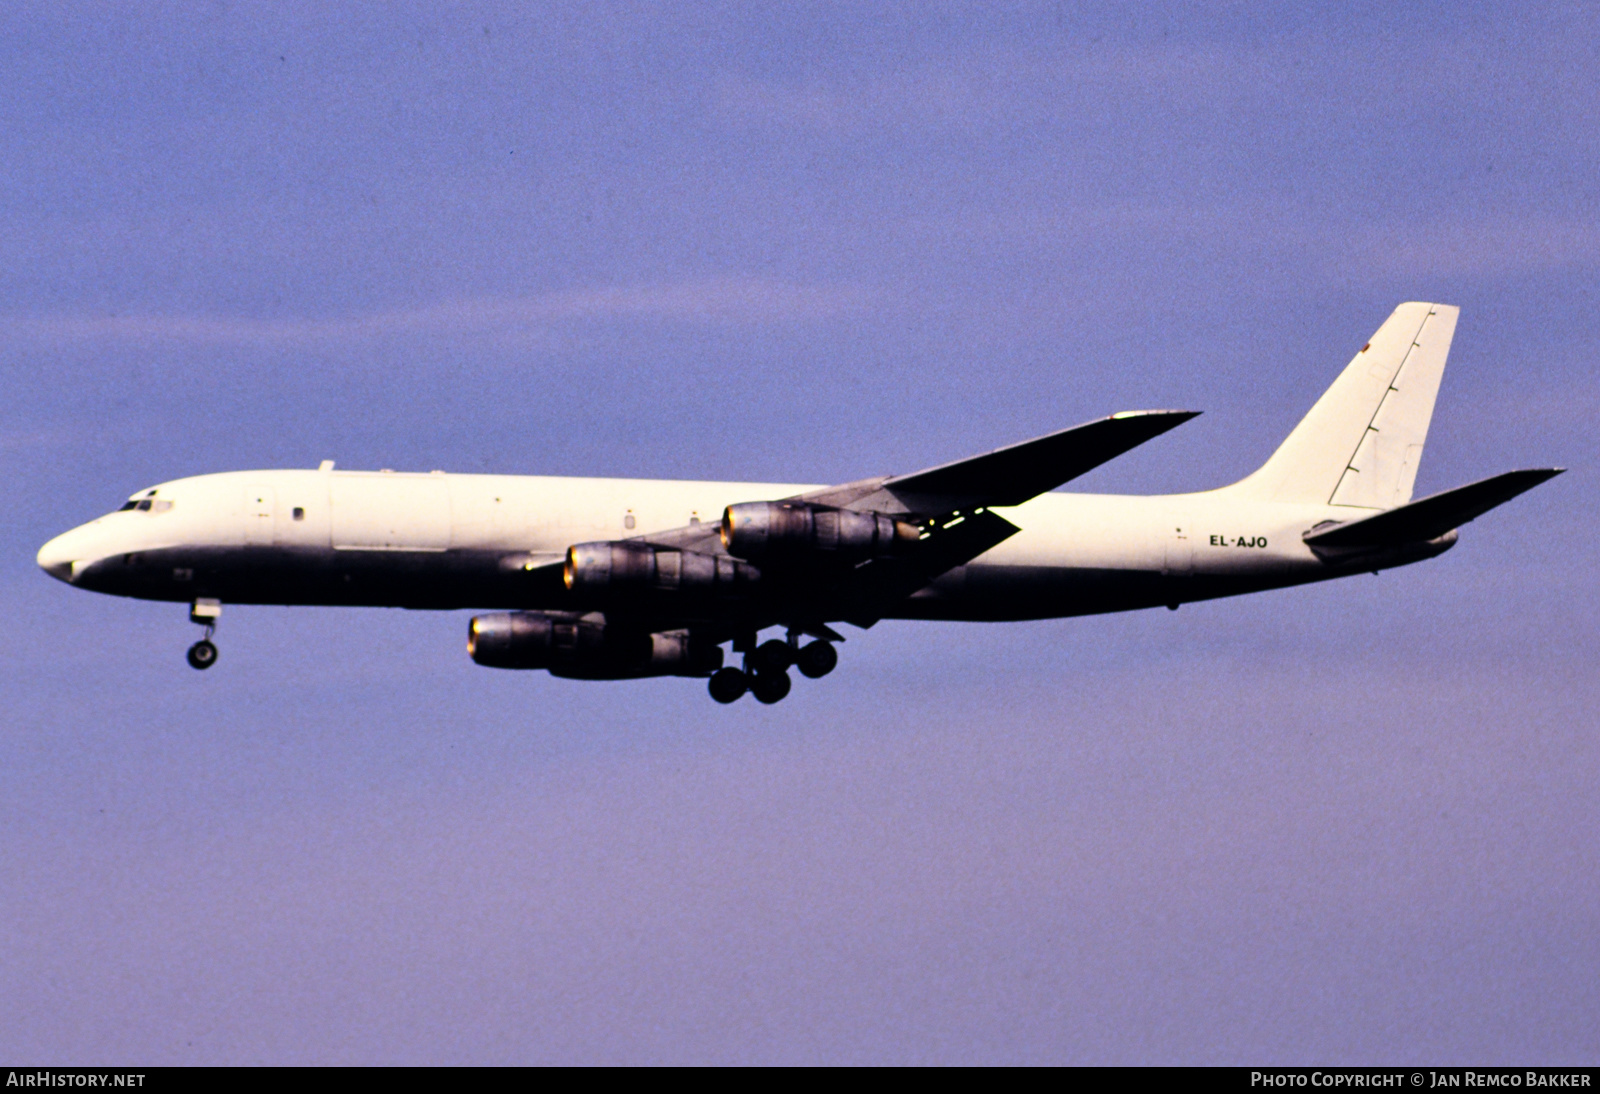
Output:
x=1010 y=475
x=1432 y=516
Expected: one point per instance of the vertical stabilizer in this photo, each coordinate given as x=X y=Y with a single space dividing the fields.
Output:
x=1361 y=443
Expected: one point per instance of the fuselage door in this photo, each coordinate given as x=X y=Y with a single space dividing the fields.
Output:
x=1179 y=560
x=260 y=507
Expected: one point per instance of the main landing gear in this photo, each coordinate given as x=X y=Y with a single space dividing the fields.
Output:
x=203 y=654
x=766 y=669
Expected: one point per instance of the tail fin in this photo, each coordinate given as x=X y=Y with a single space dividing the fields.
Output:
x=1361 y=443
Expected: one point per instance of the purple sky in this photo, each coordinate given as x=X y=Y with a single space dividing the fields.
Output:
x=1356 y=822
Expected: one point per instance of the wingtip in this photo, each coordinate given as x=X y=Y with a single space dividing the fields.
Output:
x=1181 y=415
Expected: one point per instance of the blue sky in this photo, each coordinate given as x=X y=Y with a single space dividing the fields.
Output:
x=1352 y=822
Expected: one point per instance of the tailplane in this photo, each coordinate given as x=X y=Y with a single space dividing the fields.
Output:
x=1362 y=441
x=1423 y=520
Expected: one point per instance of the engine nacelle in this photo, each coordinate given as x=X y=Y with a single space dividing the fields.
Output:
x=627 y=566
x=585 y=646
x=533 y=640
x=768 y=529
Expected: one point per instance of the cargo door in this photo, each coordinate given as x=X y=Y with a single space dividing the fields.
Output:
x=390 y=512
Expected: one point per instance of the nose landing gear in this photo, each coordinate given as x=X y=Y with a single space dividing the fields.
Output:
x=203 y=654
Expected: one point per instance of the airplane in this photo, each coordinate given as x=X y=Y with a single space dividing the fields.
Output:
x=605 y=579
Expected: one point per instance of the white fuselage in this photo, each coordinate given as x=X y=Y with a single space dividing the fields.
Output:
x=469 y=541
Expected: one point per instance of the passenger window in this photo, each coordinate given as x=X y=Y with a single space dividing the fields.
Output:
x=299 y=513
x=629 y=523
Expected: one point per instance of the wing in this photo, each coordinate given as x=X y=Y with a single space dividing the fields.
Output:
x=1006 y=476
x=950 y=506
x=874 y=586
x=808 y=596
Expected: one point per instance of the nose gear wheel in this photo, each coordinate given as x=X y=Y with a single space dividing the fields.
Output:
x=203 y=654
x=204 y=612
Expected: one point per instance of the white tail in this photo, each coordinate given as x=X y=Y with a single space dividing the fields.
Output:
x=1361 y=443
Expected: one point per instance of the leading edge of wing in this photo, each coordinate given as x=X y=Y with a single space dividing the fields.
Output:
x=1009 y=475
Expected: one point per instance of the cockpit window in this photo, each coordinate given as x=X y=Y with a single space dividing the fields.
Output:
x=127 y=505
x=147 y=505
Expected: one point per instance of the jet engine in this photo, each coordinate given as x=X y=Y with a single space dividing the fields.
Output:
x=586 y=647
x=628 y=566
x=766 y=529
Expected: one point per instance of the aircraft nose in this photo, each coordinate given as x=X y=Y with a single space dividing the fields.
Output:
x=56 y=557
